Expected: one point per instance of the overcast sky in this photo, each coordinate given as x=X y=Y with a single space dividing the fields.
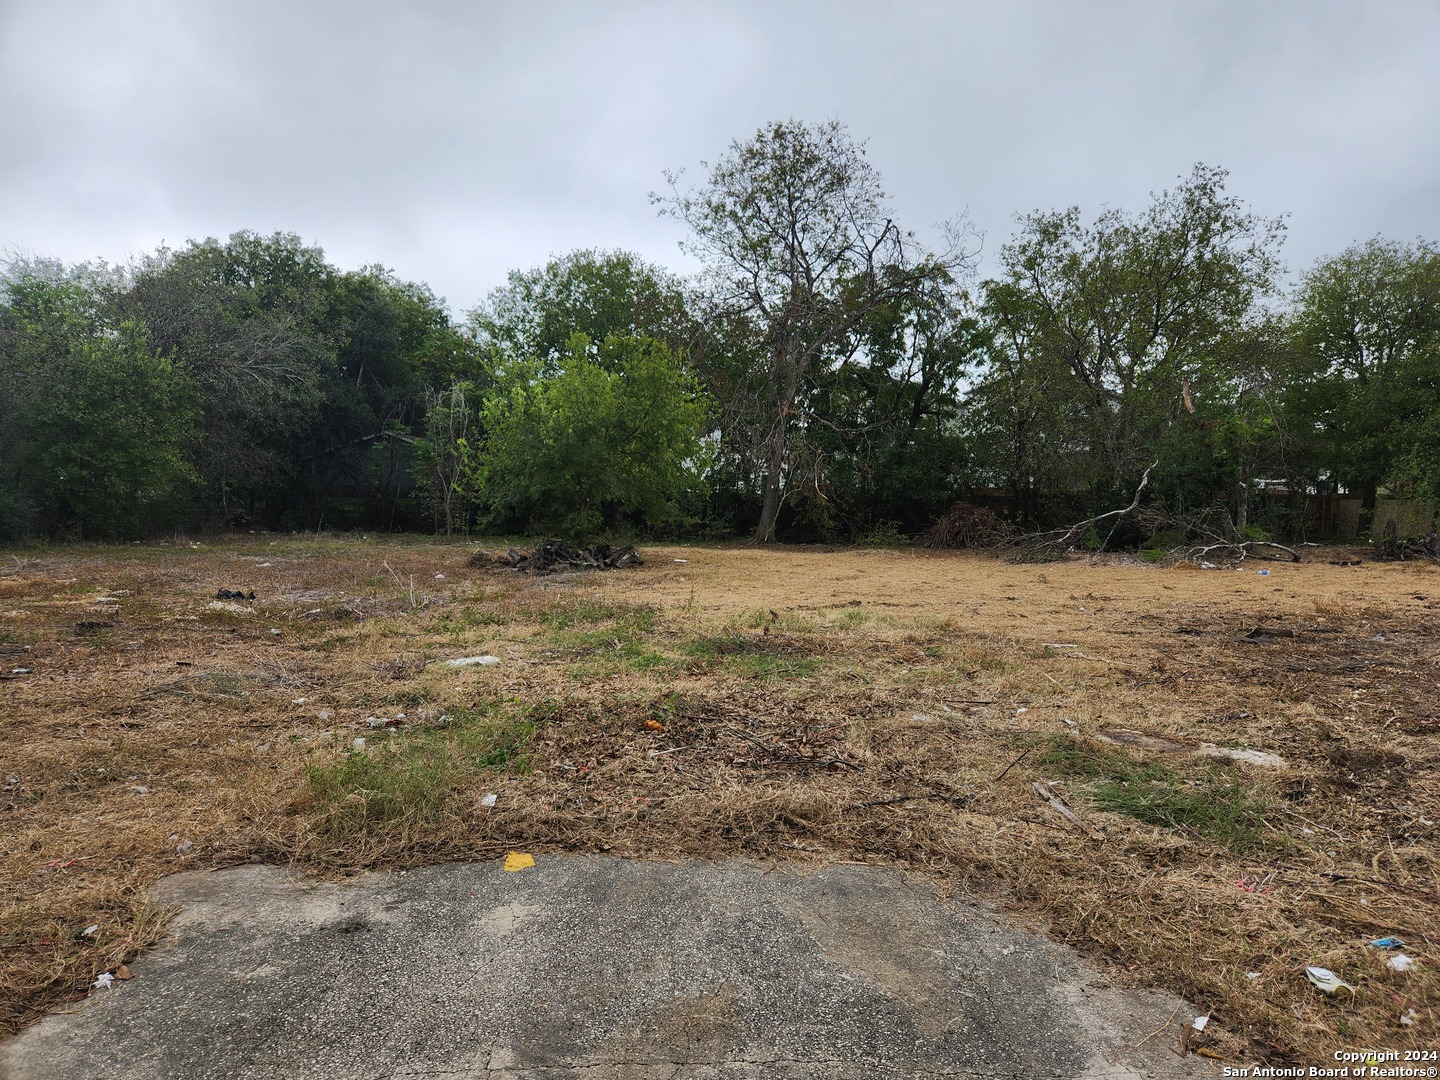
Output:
x=456 y=141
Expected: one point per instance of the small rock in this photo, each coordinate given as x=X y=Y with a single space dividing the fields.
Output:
x=1249 y=757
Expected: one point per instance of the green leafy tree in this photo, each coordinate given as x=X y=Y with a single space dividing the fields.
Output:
x=247 y=316
x=882 y=421
x=1104 y=332
x=1367 y=326
x=613 y=437
x=442 y=453
x=799 y=249
x=310 y=377
x=536 y=314
x=95 y=427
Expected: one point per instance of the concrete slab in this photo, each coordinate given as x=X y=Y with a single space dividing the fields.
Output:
x=601 y=968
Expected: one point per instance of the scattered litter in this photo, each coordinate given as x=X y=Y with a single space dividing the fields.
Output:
x=262 y=565
x=682 y=560
x=103 y=981
x=141 y=789
x=359 y=744
x=472 y=661
x=1007 y=950
x=1200 y=1022
x=1256 y=883
x=123 y=973
x=1326 y=981
x=20 y=671
x=234 y=594
x=1249 y=757
x=1388 y=943
x=439 y=577
x=1252 y=974
x=323 y=714
x=1400 y=962
x=378 y=721
x=654 y=725
x=184 y=849
x=1021 y=711
x=1056 y=645
x=518 y=860
x=1208 y=566
x=274 y=632
x=489 y=800
x=299 y=700
x=91 y=930
x=1263 y=573
x=1408 y=1018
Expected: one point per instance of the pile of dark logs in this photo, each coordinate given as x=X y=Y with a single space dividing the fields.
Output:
x=1392 y=547
x=551 y=556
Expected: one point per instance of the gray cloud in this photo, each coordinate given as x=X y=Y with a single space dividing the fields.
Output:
x=456 y=141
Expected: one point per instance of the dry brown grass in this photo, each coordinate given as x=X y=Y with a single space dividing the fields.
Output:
x=789 y=704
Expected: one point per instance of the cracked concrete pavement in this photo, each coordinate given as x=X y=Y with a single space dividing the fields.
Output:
x=599 y=967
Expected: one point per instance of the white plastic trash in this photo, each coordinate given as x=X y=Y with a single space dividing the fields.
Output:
x=473 y=661
x=1400 y=962
x=104 y=981
x=489 y=800
x=1326 y=981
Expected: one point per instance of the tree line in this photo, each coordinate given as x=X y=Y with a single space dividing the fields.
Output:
x=825 y=376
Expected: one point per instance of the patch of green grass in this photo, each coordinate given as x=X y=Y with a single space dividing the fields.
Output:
x=650 y=660
x=1212 y=803
x=469 y=617
x=607 y=632
x=586 y=611
x=1215 y=807
x=850 y=619
x=753 y=657
x=409 y=776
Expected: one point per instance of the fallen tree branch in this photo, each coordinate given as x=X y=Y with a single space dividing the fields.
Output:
x=1058 y=805
x=1242 y=547
x=1057 y=542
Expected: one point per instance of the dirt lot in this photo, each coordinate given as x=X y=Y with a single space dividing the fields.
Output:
x=879 y=706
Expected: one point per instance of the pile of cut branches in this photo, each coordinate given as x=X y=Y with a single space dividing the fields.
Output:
x=964 y=525
x=551 y=556
x=1391 y=548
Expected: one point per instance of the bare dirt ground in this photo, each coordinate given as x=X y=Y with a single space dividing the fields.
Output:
x=893 y=707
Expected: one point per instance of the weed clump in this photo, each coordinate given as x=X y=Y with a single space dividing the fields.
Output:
x=1213 y=803
x=411 y=776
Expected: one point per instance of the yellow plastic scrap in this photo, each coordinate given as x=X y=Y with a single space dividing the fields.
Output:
x=518 y=860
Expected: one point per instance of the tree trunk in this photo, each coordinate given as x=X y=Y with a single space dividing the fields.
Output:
x=770 y=508
x=1369 y=496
